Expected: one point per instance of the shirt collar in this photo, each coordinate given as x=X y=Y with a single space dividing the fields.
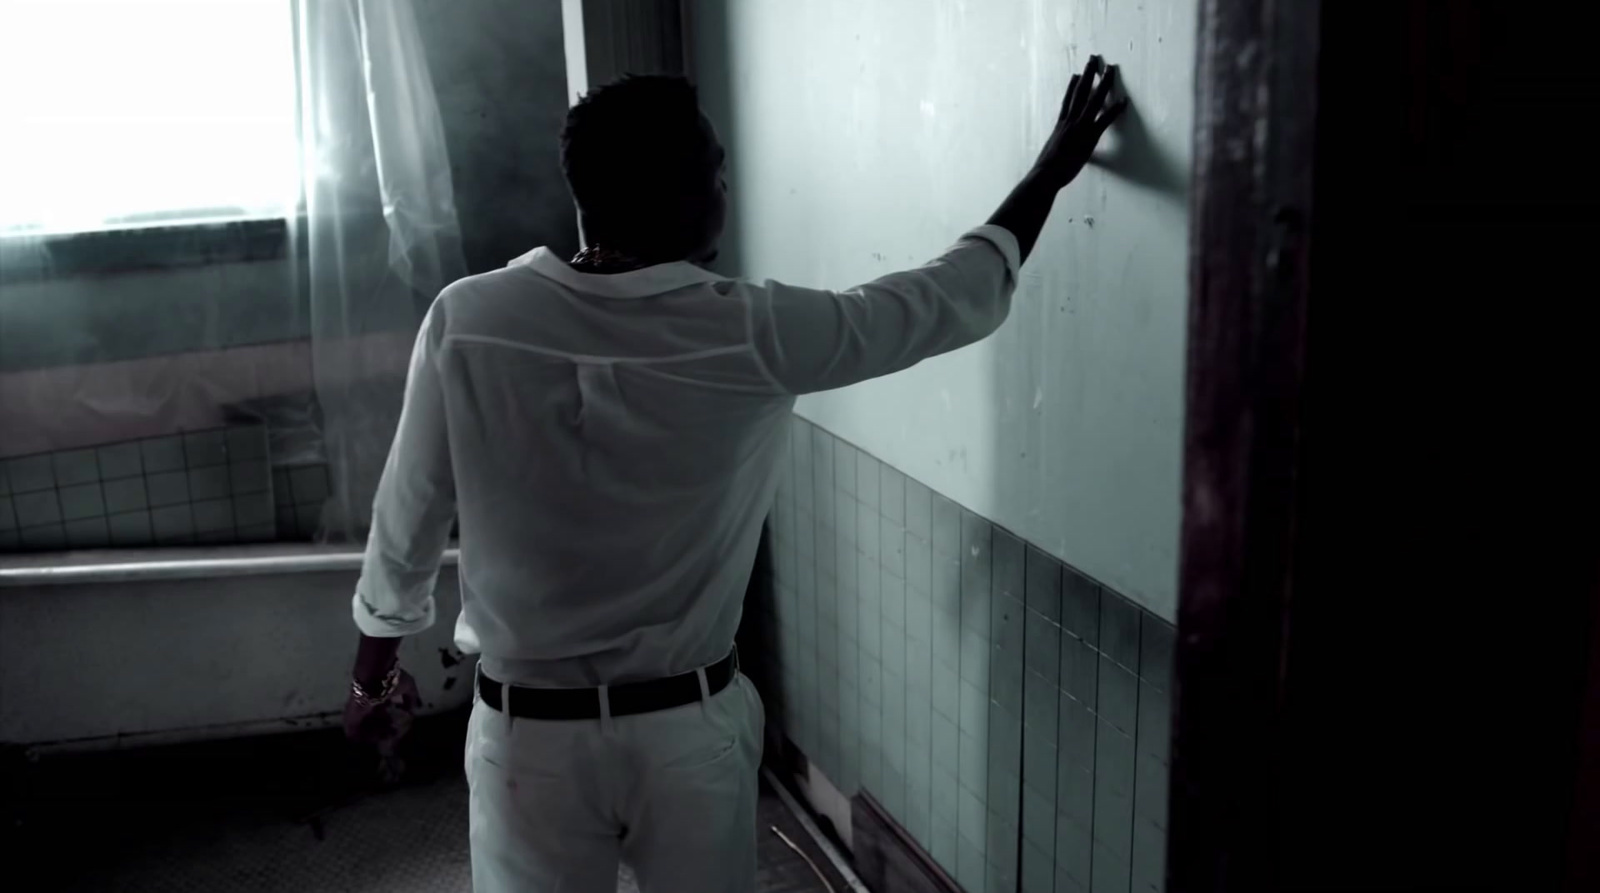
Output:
x=641 y=283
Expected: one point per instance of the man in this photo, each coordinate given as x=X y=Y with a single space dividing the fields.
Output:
x=608 y=431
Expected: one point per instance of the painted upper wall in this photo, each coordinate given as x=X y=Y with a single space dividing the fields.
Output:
x=865 y=137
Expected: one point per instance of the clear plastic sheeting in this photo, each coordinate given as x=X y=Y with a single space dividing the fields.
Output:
x=379 y=237
x=151 y=312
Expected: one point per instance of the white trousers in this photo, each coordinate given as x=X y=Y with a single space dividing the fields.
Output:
x=557 y=805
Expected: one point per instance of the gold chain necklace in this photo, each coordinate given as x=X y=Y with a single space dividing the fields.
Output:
x=598 y=259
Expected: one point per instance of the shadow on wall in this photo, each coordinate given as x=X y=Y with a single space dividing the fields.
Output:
x=711 y=54
x=1089 y=768
x=1046 y=358
x=1137 y=158
x=1086 y=380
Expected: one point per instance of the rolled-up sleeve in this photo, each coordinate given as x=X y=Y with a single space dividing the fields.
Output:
x=813 y=340
x=415 y=504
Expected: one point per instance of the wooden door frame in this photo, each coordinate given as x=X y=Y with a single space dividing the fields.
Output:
x=1255 y=173
x=1255 y=129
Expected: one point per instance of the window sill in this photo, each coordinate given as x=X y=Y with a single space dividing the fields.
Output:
x=138 y=565
x=110 y=252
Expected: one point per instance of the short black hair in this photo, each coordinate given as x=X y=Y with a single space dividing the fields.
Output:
x=637 y=159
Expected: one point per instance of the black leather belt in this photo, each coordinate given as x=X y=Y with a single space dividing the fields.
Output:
x=626 y=699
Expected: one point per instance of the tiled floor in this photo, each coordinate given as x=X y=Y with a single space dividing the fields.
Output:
x=288 y=821
x=412 y=839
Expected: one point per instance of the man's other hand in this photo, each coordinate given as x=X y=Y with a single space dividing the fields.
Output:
x=386 y=722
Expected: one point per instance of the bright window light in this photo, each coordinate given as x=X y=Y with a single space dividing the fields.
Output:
x=122 y=113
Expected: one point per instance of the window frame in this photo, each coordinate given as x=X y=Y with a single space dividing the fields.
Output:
x=109 y=252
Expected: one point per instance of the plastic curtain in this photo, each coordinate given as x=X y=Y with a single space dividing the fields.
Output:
x=146 y=148
x=379 y=238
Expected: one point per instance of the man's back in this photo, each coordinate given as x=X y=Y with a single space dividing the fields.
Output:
x=615 y=445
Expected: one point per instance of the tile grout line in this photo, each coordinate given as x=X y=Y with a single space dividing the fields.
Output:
x=1023 y=756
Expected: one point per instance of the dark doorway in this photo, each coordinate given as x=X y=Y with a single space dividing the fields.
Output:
x=1390 y=565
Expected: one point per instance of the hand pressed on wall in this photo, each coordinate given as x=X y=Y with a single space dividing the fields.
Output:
x=1084 y=118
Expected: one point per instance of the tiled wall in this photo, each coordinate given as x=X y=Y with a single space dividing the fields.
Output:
x=301 y=493
x=212 y=486
x=1010 y=713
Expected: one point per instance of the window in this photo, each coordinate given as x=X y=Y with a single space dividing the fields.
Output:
x=129 y=113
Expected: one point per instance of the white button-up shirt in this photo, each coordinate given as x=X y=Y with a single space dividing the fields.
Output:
x=611 y=444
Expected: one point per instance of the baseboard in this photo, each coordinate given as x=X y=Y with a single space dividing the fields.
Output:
x=886 y=858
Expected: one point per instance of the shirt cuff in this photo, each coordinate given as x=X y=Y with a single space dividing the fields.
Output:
x=1003 y=241
x=388 y=626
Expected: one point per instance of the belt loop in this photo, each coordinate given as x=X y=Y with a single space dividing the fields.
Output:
x=705 y=690
x=477 y=681
x=605 y=710
x=506 y=690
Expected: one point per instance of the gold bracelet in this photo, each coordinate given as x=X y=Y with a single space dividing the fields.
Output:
x=391 y=681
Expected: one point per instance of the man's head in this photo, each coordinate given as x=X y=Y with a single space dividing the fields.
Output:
x=645 y=168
